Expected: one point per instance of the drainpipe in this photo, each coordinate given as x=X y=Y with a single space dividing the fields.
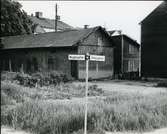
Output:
x=10 y=66
x=122 y=52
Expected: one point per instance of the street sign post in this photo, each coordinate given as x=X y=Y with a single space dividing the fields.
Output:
x=88 y=58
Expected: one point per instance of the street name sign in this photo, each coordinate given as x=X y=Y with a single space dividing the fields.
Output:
x=97 y=58
x=76 y=57
x=87 y=58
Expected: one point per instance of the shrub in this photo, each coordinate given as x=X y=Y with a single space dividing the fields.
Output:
x=162 y=84
x=42 y=79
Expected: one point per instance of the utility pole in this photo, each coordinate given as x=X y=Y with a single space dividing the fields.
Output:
x=56 y=18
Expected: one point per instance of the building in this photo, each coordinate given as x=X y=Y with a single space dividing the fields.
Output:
x=126 y=56
x=42 y=25
x=49 y=51
x=154 y=43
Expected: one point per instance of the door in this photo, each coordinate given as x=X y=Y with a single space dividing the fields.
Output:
x=74 y=69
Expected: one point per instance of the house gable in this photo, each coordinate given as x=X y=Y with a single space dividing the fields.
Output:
x=158 y=14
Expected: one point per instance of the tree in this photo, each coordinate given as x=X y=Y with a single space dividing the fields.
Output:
x=14 y=20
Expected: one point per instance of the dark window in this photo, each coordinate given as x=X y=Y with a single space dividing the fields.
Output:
x=28 y=65
x=50 y=64
x=35 y=64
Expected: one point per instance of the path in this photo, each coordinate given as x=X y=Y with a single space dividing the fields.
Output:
x=8 y=130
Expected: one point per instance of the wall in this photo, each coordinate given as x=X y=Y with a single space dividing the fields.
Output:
x=25 y=58
x=154 y=46
x=130 y=57
x=102 y=46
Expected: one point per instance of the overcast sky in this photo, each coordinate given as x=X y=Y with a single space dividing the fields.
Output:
x=120 y=15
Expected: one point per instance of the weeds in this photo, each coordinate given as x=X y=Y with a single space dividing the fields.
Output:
x=38 y=110
x=62 y=117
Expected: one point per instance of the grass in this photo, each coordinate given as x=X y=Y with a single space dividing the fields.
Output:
x=12 y=92
x=49 y=110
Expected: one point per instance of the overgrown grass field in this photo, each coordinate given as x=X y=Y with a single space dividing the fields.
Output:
x=60 y=109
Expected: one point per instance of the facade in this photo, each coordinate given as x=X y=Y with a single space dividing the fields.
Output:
x=43 y=25
x=126 y=56
x=154 y=43
x=49 y=51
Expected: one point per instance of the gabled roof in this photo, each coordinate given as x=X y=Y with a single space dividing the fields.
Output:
x=134 y=42
x=50 y=23
x=52 y=39
x=160 y=11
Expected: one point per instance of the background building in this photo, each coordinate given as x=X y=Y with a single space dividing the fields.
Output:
x=154 y=43
x=43 y=25
x=126 y=56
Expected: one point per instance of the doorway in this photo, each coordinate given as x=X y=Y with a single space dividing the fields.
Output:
x=74 y=69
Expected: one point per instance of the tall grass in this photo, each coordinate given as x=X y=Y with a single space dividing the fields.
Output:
x=113 y=113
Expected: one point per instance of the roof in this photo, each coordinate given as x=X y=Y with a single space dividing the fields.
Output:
x=128 y=38
x=51 y=39
x=50 y=23
x=160 y=11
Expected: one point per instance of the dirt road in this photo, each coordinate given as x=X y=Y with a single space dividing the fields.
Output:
x=8 y=130
x=127 y=86
x=158 y=131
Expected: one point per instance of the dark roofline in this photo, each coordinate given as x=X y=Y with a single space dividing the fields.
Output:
x=134 y=41
x=150 y=14
x=75 y=43
x=39 y=47
x=48 y=19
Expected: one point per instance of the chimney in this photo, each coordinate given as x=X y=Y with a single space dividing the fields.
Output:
x=38 y=14
x=86 y=26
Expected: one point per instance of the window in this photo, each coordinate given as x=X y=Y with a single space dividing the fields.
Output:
x=34 y=64
x=131 y=65
x=99 y=42
x=50 y=64
x=131 y=49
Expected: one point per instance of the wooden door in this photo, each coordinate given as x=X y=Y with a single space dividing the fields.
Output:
x=74 y=69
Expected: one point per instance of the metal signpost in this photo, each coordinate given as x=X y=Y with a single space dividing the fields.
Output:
x=86 y=57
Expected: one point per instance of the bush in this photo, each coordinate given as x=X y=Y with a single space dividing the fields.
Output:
x=41 y=79
x=162 y=84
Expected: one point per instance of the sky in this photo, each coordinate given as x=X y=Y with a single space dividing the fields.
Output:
x=113 y=15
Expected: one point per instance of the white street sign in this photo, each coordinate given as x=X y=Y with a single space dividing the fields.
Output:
x=97 y=58
x=76 y=57
x=88 y=58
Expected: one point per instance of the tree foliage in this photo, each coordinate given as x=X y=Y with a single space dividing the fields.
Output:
x=14 y=20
